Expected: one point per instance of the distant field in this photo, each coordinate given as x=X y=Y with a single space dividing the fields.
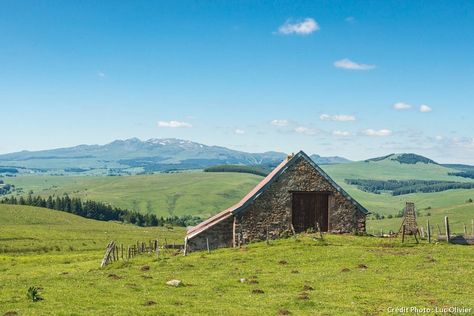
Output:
x=343 y=275
x=204 y=194
x=451 y=202
x=387 y=169
x=193 y=193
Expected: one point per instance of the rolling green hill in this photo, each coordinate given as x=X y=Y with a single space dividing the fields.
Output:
x=193 y=193
x=438 y=204
x=33 y=229
x=204 y=194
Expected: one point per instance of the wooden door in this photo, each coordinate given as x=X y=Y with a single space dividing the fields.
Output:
x=310 y=208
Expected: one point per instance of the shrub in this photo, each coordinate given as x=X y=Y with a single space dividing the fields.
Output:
x=33 y=294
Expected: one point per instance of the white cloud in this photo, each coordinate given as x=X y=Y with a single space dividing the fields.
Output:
x=351 y=65
x=305 y=27
x=401 y=106
x=279 y=122
x=350 y=19
x=306 y=130
x=425 y=108
x=380 y=132
x=341 y=134
x=338 y=118
x=239 y=131
x=173 y=124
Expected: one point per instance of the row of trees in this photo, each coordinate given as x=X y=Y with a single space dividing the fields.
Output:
x=6 y=188
x=101 y=211
x=254 y=169
x=400 y=187
x=465 y=174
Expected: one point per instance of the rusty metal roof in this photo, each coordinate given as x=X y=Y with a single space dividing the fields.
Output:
x=262 y=186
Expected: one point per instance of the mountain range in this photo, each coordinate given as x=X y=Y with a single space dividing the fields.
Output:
x=134 y=155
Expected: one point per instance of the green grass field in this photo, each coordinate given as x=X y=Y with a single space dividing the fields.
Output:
x=452 y=202
x=342 y=275
x=39 y=230
x=187 y=193
x=204 y=194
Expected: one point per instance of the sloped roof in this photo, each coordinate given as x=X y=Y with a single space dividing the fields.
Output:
x=262 y=186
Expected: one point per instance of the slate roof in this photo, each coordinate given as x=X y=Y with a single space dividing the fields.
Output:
x=262 y=186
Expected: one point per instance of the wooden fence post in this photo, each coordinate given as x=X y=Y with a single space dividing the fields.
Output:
x=293 y=230
x=446 y=224
x=207 y=244
x=108 y=254
x=267 y=236
x=428 y=227
x=319 y=230
x=403 y=234
x=186 y=245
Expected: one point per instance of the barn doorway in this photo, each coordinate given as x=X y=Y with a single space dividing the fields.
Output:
x=310 y=208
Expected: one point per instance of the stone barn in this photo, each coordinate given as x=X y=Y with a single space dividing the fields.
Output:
x=294 y=197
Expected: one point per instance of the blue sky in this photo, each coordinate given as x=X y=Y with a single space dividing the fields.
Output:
x=344 y=78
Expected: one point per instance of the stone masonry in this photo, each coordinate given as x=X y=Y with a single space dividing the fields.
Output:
x=271 y=212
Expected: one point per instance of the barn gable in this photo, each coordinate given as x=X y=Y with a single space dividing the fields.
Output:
x=267 y=208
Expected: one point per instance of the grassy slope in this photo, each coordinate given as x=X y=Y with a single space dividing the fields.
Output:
x=34 y=229
x=71 y=281
x=451 y=202
x=194 y=193
x=205 y=194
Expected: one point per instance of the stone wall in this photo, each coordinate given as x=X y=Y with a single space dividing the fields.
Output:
x=272 y=209
x=220 y=235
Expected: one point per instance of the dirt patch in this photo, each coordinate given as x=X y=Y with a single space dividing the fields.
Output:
x=64 y=273
x=283 y=262
x=434 y=302
x=150 y=303
x=303 y=296
x=145 y=268
x=295 y=271
x=283 y=311
x=362 y=266
x=345 y=270
x=113 y=276
x=308 y=288
x=11 y=313
x=253 y=282
x=257 y=291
